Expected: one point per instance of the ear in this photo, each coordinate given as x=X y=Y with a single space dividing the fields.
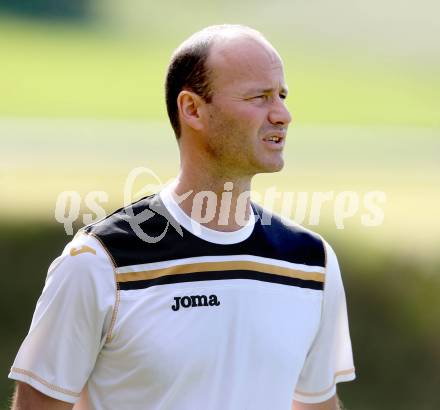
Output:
x=189 y=104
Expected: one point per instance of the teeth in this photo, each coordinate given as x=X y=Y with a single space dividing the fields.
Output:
x=274 y=138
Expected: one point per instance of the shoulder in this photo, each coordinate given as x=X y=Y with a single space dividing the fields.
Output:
x=84 y=259
x=305 y=246
x=83 y=271
x=126 y=223
x=122 y=222
x=133 y=234
x=80 y=282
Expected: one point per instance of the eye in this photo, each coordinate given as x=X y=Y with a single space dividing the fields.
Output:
x=283 y=96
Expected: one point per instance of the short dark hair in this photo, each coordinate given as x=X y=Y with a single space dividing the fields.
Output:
x=188 y=71
x=188 y=68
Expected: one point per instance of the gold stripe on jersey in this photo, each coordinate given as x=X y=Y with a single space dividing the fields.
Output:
x=220 y=266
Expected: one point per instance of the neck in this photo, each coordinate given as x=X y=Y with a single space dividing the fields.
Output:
x=214 y=199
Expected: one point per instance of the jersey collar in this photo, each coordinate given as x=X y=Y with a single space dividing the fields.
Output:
x=207 y=234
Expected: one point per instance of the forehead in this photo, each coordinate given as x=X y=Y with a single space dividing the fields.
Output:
x=245 y=62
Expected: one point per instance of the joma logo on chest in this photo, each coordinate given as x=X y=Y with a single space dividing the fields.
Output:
x=194 y=301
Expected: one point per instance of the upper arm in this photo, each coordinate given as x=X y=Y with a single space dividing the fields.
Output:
x=28 y=398
x=70 y=325
x=329 y=359
x=330 y=404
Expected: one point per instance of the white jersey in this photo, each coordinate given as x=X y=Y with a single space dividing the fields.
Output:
x=167 y=315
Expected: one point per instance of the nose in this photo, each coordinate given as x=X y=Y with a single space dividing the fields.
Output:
x=279 y=114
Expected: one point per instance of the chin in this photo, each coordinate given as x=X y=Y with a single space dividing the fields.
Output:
x=273 y=167
x=276 y=169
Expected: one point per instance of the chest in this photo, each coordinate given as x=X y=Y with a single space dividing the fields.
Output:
x=197 y=327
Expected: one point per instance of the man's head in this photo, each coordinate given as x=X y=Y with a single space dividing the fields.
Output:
x=225 y=89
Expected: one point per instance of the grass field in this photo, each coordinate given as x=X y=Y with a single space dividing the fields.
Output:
x=59 y=71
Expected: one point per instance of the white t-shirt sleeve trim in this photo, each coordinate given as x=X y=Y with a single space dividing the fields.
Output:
x=330 y=359
x=72 y=321
x=44 y=386
x=341 y=376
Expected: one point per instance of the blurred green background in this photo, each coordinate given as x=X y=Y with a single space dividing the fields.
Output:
x=81 y=104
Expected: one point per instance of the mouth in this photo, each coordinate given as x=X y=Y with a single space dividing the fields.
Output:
x=275 y=138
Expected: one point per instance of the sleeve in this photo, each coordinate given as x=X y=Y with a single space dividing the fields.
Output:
x=330 y=359
x=71 y=322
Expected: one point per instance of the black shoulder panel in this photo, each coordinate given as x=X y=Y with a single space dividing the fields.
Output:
x=145 y=232
x=289 y=242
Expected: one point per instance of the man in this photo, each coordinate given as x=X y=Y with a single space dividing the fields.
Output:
x=197 y=298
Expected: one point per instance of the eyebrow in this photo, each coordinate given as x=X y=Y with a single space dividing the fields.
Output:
x=283 y=90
